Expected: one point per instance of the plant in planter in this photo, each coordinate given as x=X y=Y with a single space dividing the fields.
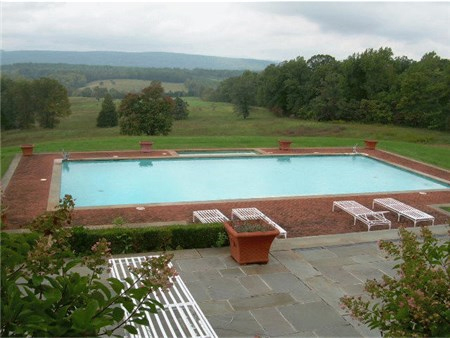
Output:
x=250 y=241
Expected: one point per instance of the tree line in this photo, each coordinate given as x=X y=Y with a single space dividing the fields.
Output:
x=23 y=103
x=77 y=76
x=371 y=87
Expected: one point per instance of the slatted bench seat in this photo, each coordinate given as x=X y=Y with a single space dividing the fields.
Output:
x=360 y=212
x=247 y=214
x=209 y=216
x=402 y=209
x=181 y=315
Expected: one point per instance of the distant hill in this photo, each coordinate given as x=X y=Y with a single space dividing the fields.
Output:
x=128 y=59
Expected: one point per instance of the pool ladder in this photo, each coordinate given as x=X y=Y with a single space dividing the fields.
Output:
x=355 y=149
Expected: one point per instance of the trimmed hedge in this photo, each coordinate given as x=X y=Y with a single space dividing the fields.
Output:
x=135 y=240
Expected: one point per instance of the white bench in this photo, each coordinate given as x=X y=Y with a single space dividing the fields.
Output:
x=181 y=315
x=402 y=209
x=246 y=214
x=209 y=216
x=360 y=212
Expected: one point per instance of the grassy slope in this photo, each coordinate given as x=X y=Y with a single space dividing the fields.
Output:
x=216 y=125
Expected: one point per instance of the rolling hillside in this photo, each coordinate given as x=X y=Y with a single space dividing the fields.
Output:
x=145 y=59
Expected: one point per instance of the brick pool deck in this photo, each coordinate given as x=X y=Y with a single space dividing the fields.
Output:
x=28 y=190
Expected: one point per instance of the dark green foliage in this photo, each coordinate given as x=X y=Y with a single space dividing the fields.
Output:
x=42 y=295
x=370 y=87
x=135 y=240
x=149 y=112
x=108 y=115
x=243 y=93
x=180 y=109
x=23 y=102
x=50 y=102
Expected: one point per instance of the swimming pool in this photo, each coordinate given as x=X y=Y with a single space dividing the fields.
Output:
x=146 y=181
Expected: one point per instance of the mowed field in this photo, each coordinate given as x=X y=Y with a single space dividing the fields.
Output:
x=214 y=124
x=134 y=86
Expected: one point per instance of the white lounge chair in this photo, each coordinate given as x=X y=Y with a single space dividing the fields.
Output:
x=209 y=216
x=246 y=214
x=181 y=316
x=402 y=209
x=360 y=212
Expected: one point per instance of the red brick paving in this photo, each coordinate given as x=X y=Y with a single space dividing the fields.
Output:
x=26 y=196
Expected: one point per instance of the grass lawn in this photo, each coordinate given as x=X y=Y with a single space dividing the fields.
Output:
x=213 y=124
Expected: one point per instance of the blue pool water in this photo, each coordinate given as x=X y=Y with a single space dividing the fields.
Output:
x=116 y=182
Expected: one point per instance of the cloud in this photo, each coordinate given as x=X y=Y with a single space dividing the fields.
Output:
x=269 y=30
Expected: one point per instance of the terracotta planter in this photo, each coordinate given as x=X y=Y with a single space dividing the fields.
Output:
x=284 y=145
x=250 y=247
x=370 y=144
x=146 y=147
x=27 y=149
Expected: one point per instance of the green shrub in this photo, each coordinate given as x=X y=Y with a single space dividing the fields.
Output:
x=136 y=240
x=42 y=295
x=417 y=302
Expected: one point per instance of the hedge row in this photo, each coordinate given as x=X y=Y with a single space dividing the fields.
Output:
x=135 y=240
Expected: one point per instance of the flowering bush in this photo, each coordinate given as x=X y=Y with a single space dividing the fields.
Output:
x=43 y=295
x=417 y=302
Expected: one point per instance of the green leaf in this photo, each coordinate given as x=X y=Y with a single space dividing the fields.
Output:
x=91 y=309
x=71 y=264
x=103 y=288
x=138 y=294
x=52 y=295
x=116 y=285
x=118 y=314
x=141 y=321
x=128 y=305
x=131 y=329
x=37 y=280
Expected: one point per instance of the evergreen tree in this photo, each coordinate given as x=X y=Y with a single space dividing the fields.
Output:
x=108 y=115
x=180 y=111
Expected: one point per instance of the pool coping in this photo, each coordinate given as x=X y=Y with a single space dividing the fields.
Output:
x=55 y=185
x=32 y=184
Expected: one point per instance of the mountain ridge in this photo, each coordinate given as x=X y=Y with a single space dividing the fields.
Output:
x=134 y=59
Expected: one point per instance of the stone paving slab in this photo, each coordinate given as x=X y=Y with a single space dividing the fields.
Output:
x=255 y=285
x=273 y=322
x=297 y=294
x=312 y=316
x=236 y=324
x=261 y=301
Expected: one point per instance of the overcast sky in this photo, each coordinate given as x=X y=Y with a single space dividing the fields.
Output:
x=263 y=30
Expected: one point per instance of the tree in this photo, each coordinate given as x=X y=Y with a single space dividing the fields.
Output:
x=243 y=93
x=108 y=115
x=50 y=102
x=149 y=112
x=424 y=95
x=17 y=104
x=42 y=295
x=180 y=111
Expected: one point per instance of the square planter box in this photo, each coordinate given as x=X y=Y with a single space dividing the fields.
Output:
x=371 y=144
x=146 y=147
x=250 y=247
x=27 y=149
x=284 y=145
